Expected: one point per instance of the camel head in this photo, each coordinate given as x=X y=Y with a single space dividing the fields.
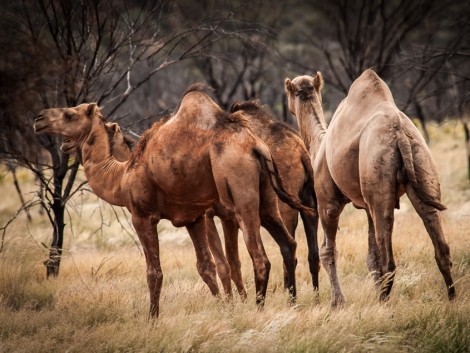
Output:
x=303 y=89
x=121 y=145
x=73 y=124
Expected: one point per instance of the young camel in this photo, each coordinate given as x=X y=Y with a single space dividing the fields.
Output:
x=294 y=166
x=370 y=155
x=219 y=161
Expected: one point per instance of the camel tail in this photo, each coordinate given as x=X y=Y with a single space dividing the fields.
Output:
x=264 y=156
x=309 y=196
x=420 y=169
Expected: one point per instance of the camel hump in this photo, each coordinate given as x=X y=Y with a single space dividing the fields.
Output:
x=198 y=87
x=418 y=164
x=262 y=152
x=369 y=88
x=246 y=106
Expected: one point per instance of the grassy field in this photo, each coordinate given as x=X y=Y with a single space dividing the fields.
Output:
x=99 y=303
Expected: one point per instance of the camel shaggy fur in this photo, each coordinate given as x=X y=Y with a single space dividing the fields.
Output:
x=220 y=161
x=370 y=155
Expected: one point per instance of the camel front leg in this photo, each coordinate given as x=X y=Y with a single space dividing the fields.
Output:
x=148 y=236
x=329 y=217
x=205 y=264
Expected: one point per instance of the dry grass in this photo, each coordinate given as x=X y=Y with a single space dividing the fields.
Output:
x=99 y=303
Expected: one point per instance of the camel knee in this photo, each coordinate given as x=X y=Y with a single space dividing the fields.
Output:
x=154 y=279
x=328 y=252
x=206 y=269
x=262 y=271
x=332 y=212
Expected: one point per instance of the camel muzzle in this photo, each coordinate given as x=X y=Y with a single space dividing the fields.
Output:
x=39 y=124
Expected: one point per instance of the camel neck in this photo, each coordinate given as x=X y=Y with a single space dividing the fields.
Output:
x=103 y=171
x=312 y=125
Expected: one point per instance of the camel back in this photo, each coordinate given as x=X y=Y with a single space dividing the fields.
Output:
x=261 y=119
x=370 y=95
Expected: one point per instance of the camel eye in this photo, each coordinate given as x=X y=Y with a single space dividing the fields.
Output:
x=68 y=115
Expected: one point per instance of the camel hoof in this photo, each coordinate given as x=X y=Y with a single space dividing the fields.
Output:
x=338 y=303
x=260 y=300
x=384 y=297
x=243 y=296
x=451 y=293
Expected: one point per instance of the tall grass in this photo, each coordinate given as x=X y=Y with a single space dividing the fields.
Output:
x=99 y=303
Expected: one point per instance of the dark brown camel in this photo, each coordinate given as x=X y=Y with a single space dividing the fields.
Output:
x=294 y=166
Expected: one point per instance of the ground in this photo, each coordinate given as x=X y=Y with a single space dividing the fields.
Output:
x=99 y=302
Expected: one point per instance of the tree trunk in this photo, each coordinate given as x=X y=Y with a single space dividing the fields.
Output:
x=422 y=120
x=60 y=167
x=55 y=251
x=466 y=129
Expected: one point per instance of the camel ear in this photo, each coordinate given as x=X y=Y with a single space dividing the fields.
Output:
x=114 y=126
x=288 y=86
x=318 y=81
x=91 y=109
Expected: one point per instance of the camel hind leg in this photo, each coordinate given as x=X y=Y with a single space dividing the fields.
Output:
x=243 y=198
x=272 y=221
x=311 y=231
x=382 y=214
x=432 y=222
x=231 y=249
x=221 y=263
x=230 y=227
x=290 y=218
x=373 y=257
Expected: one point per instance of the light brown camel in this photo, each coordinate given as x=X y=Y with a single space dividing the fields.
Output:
x=295 y=170
x=121 y=147
x=219 y=161
x=294 y=166
x=370 y=155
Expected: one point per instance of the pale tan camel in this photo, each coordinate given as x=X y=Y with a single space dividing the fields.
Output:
x=294 y=166
x=219 y=161
x=370 y=155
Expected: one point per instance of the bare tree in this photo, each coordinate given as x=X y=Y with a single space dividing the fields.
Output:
x=68 y=52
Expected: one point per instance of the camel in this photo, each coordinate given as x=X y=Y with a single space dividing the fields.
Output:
x=220 y=161
x=295 y=169
x=121 y=147
x=370 y=155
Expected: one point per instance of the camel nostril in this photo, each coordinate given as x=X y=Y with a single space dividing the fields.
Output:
x=39 y=117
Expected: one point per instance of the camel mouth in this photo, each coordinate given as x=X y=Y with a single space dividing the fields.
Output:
x=67 y=145
x=39 y=129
